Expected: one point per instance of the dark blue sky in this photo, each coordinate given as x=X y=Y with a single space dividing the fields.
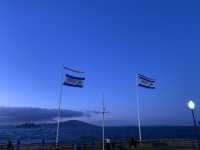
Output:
x=111 y=41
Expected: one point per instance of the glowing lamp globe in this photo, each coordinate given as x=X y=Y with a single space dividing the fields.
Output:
x=191 y=105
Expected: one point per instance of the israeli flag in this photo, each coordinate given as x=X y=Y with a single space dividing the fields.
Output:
x=146 y=82
x=74 y=81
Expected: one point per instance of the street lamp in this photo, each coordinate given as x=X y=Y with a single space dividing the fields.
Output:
x=191 y=106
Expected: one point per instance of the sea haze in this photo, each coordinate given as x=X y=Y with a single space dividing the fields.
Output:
x=80 y=132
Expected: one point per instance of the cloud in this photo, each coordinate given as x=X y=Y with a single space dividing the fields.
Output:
x=13 y=115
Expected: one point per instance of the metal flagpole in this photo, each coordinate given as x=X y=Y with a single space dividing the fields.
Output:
x=138 y=109
x=103 y=113
x=80 y=80
x=59 y=110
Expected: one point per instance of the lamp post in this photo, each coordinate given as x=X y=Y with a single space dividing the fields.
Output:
x=191 y=106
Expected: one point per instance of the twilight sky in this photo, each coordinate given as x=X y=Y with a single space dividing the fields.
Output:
x=111 y=41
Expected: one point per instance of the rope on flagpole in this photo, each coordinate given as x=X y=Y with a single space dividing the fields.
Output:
x=138 y=109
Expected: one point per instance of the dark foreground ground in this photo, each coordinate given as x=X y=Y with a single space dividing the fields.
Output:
x=82 y=133
x=175 y=144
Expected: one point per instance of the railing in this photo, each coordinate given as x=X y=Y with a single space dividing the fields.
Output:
x=166 y=144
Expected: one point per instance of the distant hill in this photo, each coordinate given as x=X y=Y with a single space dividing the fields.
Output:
x=28 y=125
x=71 y=123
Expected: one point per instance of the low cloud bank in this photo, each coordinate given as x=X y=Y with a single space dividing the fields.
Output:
x=13 y=115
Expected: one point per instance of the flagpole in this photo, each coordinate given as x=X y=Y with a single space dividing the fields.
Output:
x=138 y=110
x=68 y=82
x=59 y=109
x=103 y=123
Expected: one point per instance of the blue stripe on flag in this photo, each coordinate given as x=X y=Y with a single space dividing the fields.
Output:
x=146 y=78
x=149 y=87
x=68 y=84
x=73 y=77
x=73 y=70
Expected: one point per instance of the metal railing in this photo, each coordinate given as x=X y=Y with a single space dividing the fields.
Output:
x=118 y=145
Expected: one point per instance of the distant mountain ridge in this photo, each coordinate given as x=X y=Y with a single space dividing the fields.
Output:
x=28 y=125
x=70 y=123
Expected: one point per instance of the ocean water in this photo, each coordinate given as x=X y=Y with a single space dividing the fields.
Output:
x=92 y=134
